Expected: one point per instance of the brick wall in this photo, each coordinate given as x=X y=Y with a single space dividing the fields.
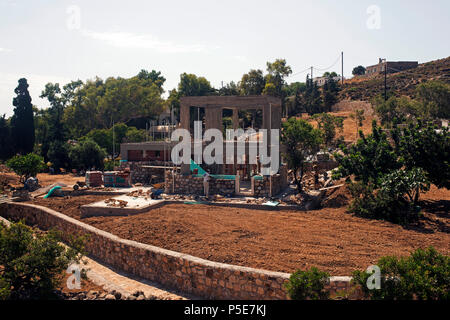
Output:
x=190 y=274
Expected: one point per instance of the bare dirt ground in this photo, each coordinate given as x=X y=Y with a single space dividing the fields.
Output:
x=350 y=130
x=330 y=238
x=45 y=179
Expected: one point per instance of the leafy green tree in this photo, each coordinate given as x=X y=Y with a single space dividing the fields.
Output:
x=191 y=85
x=135 y=135
x=329 y=125
x=396 y=110
x=388 y=177
x=22 y=122
x=230 y=89
x=58 y=155
x=26 y=166
x=330 y=92
x=33 y=262
x=252 y=83
x=54 y=145
x=275 y=79
x=424 y=146
x=122 y=133
x=359 y=71
x=6 y=144
x=434 y=97
x=173 y=103
x=87 y=154
x=330 y=74
x=301 y=140
x=311 y=99
x=153 y=77
x=424 y=275
x=405 y=185
x=369 y=158
x=295 y=88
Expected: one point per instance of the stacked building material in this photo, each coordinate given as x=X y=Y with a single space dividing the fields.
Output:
x=117 y=179
x=94 y=178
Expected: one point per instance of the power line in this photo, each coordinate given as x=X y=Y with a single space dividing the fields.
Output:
x=334 y=63
x=318 y=69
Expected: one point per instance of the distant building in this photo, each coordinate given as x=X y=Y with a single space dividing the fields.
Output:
x=392 y=66
x=320 y=81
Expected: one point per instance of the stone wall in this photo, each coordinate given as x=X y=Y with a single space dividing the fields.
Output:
x=194 y=185
x=190 y=274
x=261 y=187
x=140 y=174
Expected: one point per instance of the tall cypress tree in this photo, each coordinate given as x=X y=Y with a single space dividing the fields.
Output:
x=22 y=122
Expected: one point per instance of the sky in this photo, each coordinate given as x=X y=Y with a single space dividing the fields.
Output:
x=58 y=41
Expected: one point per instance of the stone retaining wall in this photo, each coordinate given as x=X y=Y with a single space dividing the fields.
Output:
x=194 y=185
x=140 y=174
x=190 y=274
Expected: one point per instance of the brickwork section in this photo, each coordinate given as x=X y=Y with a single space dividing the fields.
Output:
x=189 y=274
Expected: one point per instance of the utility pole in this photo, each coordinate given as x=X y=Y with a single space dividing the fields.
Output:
x=312 y=75
x=342 y=65
x=114 y=149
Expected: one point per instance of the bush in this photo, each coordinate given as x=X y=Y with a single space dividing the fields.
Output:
x=371 y=203
x=87 y=154
x=424 y=275
x=110 y=164
x=32 y=263
x=26 y=166
x=58 y=155
x=309 y=285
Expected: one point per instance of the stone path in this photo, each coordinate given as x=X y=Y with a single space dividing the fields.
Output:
x=111 y=279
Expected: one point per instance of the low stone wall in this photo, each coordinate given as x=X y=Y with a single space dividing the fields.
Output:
x=194 y=185
x=141 y=174
x=262 y=187
x=190 y=274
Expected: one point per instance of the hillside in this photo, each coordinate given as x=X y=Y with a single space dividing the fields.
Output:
x=401 y=83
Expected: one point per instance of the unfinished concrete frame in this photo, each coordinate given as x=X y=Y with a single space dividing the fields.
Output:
x=213 y=105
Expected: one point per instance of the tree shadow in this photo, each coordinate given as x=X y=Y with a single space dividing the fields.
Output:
x=434 y=218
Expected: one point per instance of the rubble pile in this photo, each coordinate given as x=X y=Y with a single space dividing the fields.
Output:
x=116 y=203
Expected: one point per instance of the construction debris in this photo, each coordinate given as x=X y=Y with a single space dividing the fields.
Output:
x=116 y=203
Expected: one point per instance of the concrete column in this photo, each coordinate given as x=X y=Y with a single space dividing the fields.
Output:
x=184 y=116
x=213 y=118
x=235 y=118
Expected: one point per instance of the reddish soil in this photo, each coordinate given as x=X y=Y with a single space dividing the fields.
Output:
x=45 y=179
x=350 y=130
x=329 y=239
x=68 y=205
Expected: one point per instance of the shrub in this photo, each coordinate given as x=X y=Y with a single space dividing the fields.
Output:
x=87 y=154
x=309 y=285
x=110 y=164
x=424 y=275
x=26 y=166
x=32 y=263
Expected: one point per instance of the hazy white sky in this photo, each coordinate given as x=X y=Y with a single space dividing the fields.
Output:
x=58 y=41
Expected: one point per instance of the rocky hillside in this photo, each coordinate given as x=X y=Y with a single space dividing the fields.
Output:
x=402 y=83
